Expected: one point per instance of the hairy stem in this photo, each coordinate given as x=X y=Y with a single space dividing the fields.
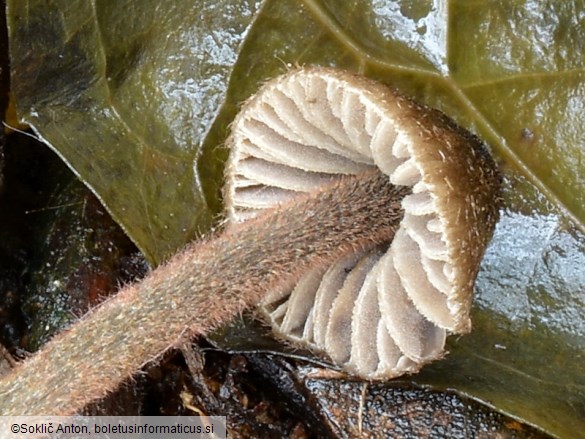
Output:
x=203 y=286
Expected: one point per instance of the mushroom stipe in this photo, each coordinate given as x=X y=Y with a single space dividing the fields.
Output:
x=203 y=286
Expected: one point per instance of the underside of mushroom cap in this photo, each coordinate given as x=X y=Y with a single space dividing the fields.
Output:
x=386 y=311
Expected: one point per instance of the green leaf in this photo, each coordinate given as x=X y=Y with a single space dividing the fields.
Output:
x=137 y=96
x=126 y=92
x=526 y=353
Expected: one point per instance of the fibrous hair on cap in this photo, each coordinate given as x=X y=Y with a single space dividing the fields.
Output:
x=385 y=311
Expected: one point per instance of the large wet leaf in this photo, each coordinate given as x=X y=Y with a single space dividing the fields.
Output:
x=136 y=96
x=125 y=92
x=526 y=352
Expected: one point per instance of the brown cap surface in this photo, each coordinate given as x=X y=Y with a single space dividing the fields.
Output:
x=387 y=311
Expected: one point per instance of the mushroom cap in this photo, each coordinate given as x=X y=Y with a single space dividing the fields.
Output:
x=386 y=311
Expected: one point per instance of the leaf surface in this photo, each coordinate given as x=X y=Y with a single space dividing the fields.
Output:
x=126 y=92
x=137 y=96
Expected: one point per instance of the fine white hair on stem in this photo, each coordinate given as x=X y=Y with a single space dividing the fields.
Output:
x=385 y=311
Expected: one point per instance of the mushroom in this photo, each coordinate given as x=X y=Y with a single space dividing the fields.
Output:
x=385 y=311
